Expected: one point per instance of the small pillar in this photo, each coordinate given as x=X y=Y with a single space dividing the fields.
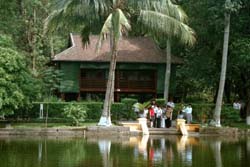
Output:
x=144 y=127
x=180 y=124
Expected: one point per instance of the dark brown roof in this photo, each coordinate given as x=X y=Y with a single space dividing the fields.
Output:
x=131 y=50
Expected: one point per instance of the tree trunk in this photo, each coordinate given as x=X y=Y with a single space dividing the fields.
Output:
x=248 y=113
x=33 y=41
x=105 y=119
x=168 y=70
x=219 y=100
x=52 y=52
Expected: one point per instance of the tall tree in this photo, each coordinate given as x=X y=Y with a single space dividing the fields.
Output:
x=182 y=17
x=90 y=13
x=229 y=7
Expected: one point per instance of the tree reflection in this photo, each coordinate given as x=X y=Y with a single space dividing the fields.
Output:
x=216 y=147
x=104 y=146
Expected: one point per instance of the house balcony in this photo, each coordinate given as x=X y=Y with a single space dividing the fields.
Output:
x=135 y=86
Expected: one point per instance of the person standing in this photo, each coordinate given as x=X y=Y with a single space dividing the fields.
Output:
x=163 y=117
x=168 y=120
x=151 y=117
x=154 y=107
x=171 y=103
x=158 y=116
x=188 y=112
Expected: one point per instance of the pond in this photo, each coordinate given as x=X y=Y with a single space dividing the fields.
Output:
x=146 y=151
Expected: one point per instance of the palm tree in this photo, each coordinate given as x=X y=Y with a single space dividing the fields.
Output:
x=115 y=24
x=90 y=13
x=180 y=30
x=182 y=17
x=219 y=99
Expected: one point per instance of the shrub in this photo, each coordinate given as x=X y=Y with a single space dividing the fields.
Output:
x=230 y=115
x=94 y=110
x=160 y=102
x=118 y=111
x=75 y=112
x=128 y=108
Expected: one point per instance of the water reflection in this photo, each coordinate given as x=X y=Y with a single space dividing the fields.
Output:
x=216 y=147
x=146 y=151
x=104 y=146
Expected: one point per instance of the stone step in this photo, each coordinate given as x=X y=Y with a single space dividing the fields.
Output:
x=165 y=131
x=162 y=129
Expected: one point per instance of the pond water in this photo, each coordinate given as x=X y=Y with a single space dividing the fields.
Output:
x=147 y=151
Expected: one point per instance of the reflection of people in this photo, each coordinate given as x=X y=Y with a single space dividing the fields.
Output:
x=188 y=112
x=168 y=120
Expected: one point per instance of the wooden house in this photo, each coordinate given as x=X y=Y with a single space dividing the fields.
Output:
x=140 y=69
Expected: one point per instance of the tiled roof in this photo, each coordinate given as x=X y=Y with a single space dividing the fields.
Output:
x=130 y=50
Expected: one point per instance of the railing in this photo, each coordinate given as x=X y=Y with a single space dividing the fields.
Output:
x=93 y=84
x=124 y=84
x=121 y=85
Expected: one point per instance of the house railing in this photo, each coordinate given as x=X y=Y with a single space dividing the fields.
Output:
x=120 y=85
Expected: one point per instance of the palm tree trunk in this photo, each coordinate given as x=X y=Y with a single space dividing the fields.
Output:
x=219 y=100
x=105 y=119
x=52 y=52
x=168 y=70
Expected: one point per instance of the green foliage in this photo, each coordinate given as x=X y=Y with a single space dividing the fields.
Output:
x=118 y=111
x=76 y=112
x=230 y=115
x=95 y=110
x=203 y=113
x=160 y=102
x=128 y=106
x=51 y=79
x=15 y=82
x=6 y=41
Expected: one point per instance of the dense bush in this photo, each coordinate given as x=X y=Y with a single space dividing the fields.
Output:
x=230 y=115
x=118 y=111
x=128 y=108
x=17 y=86
x=76 y=112
x=203 y=113
x=95 y=110
x=160 y=102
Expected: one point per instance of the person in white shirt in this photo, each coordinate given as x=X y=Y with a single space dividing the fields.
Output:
x=188 y=112
x=158 y=116
x=237 y=105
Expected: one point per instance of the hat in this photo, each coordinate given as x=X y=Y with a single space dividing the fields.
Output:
x=170 y=104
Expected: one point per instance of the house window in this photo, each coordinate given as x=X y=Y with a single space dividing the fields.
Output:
x=92 y=74
x=140 y=75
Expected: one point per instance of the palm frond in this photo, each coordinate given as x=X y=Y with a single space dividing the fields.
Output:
x=117 y=24
x=73 y=13
x=160 y=23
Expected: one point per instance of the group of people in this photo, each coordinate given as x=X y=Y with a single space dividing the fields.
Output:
x=161 y=116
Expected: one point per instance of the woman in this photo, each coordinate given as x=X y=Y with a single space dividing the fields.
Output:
x=168 y=120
